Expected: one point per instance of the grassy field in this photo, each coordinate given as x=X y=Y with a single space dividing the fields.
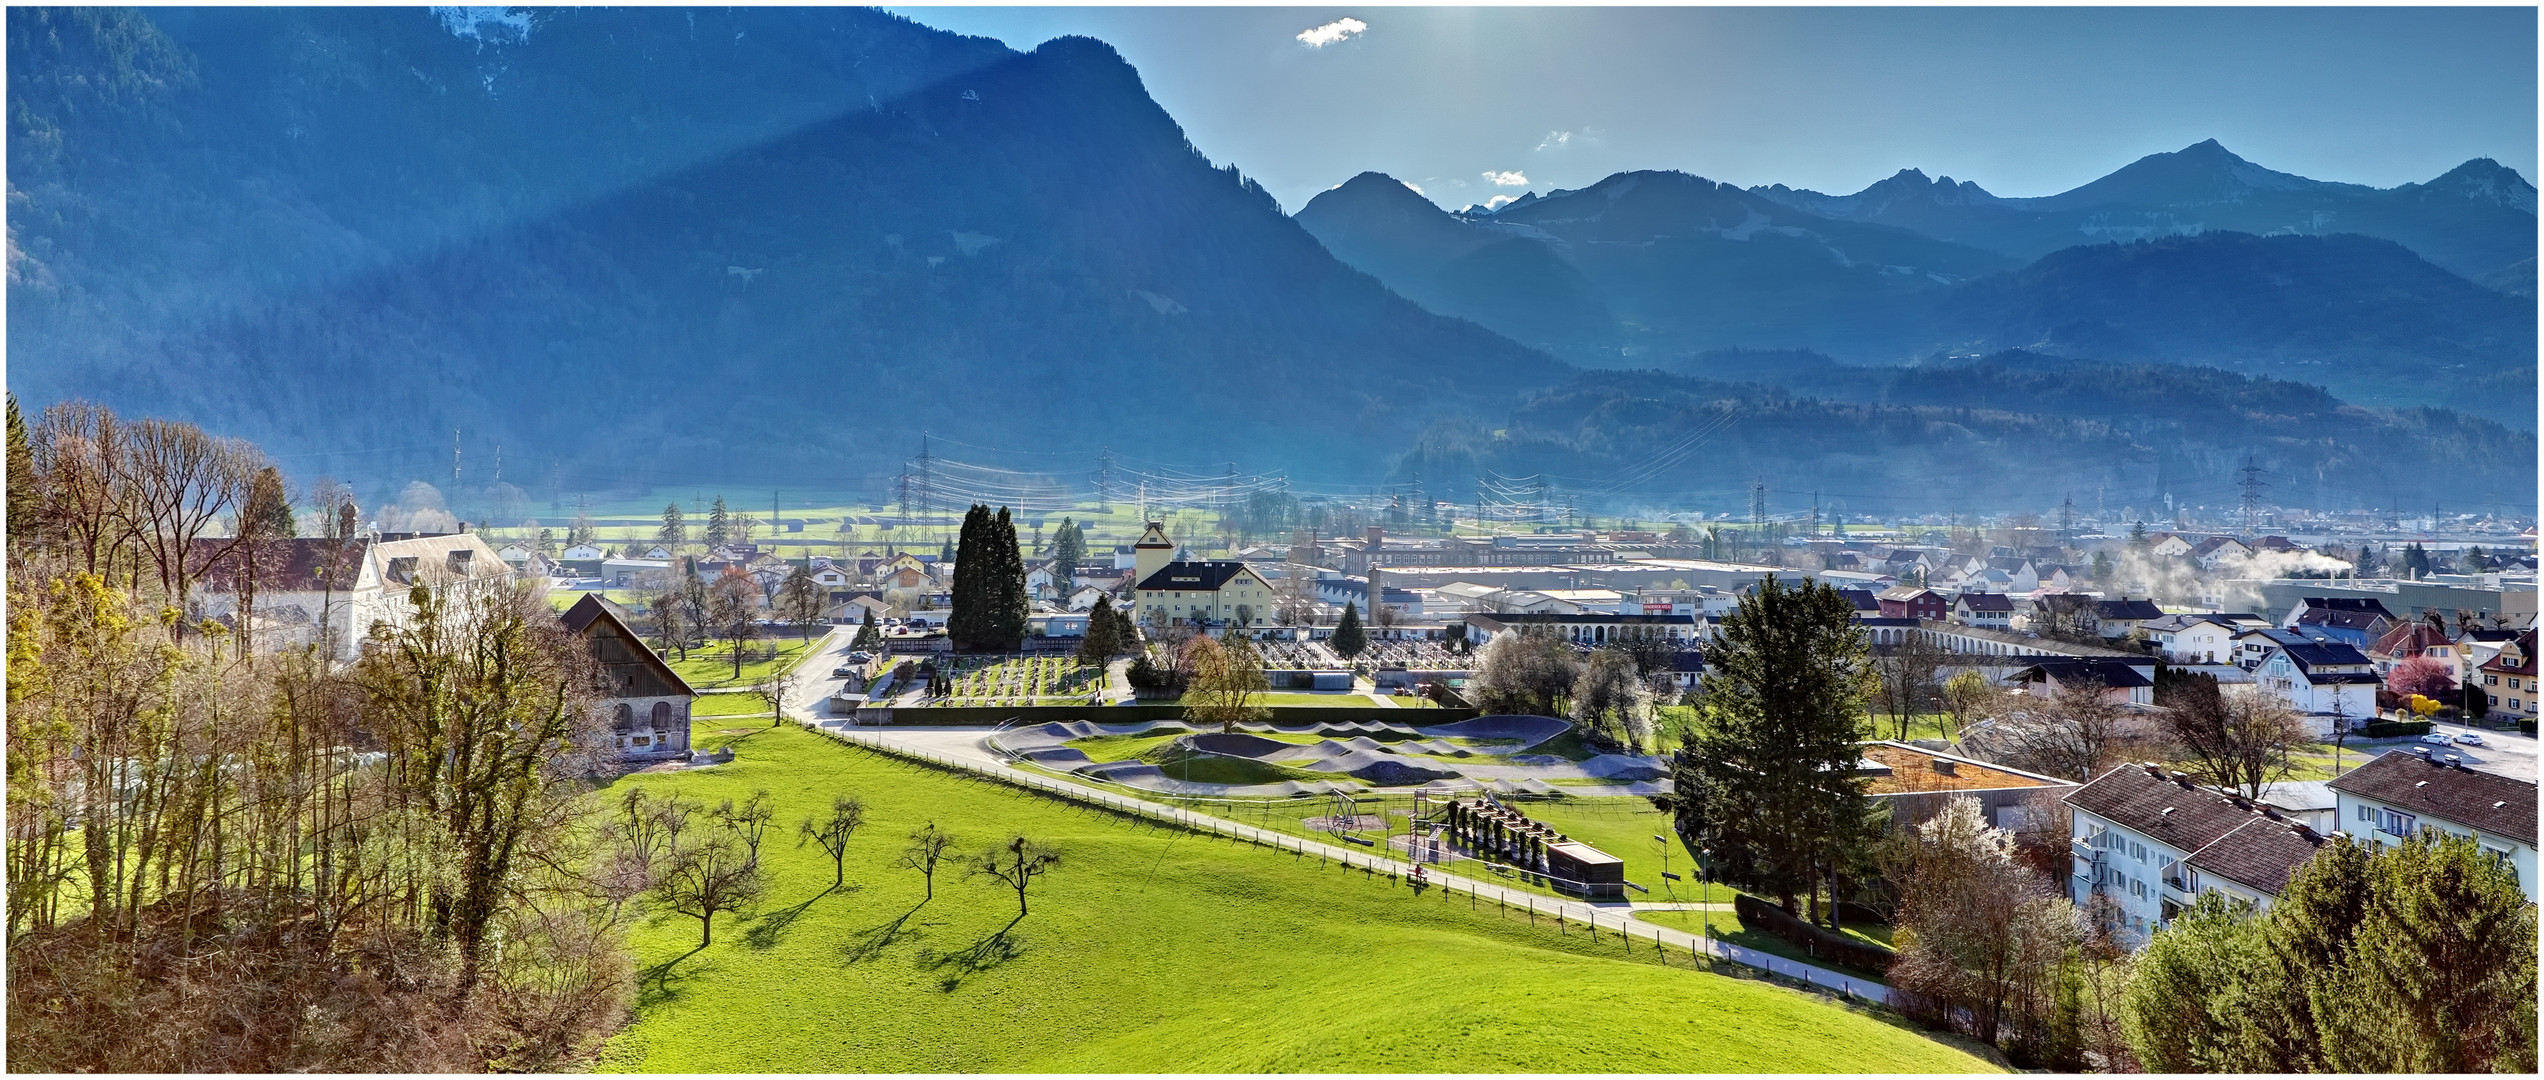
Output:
x=2316 y=761
x=1149 y=950
x=721 y=705
x=712 y=666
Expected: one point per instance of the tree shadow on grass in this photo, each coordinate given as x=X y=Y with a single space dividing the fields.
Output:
x=985 y=954
x=872 y=940
x=654 y=985
x=767 y=930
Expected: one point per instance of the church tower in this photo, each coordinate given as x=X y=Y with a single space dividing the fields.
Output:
x=1151 y=553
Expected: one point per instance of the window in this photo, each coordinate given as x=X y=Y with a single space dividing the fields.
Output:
x=2137 y=889
x=2367 y=813
x=2138 y=852
x=2395 y=822
x=2490 y=680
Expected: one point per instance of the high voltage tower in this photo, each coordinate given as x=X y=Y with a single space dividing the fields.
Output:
x=2067 y=519
x=1758 y=502
x=2252 y=485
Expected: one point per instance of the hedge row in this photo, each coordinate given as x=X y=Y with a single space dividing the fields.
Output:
x=2392 y=729
x=1820 y=944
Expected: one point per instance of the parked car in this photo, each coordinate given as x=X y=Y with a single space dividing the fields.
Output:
x=842 y=672
x=2438 y=737
x=860 y=656
x=2470 y=739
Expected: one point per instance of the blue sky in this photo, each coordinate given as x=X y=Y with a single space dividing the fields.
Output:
x=2025 y=101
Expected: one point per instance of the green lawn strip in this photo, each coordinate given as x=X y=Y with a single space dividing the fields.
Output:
x=1152 y=949
x=712 y=666
x=2315 y=761
x=1728 y=928
x=718 y=705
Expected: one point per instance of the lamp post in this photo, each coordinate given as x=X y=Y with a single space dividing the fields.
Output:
x=1666 y=876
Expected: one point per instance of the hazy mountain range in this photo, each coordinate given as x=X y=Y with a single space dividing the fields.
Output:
x=2192 y=257
x=660 y=245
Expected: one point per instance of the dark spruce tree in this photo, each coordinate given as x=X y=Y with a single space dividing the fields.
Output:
x=1349 y=639
x=1009 y=603
x=968 y=625
x=1768 y=782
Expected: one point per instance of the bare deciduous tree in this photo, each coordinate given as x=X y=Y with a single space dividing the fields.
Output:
x=2238 y=738
x=928 y=845
x=1016 y=864
x=847 y=815
x=1906 y=688
x=710 y=876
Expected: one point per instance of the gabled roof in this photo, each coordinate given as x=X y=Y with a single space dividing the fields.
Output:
x=1906 y=594
x=594 y=607
x=2309 y=655
x=2214 y=544
x=2177 y=623
x=2122 y=610
x=2174 y=811
x=1153 y=537
x=2523 y=649
x=2111 y=673
x=1863 y=599
x=1201 y=575
x=2260 y=853
x=1986 y=601
x=2342 y=619
x=2486 y=801
x=306 y=564
x=2274 y=635
x=2409 y=639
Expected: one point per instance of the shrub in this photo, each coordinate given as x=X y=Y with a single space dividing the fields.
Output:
x=2392 y=729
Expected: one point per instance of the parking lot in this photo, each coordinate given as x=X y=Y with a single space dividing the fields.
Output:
x=2506 y=753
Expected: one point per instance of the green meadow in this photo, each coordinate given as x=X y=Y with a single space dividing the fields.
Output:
x=1150 y=949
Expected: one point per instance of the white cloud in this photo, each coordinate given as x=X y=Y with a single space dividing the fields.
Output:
x=1337 y=30
x=1555 y=140
x=1417 y=188
x=1497 y=201
x=1513 y=178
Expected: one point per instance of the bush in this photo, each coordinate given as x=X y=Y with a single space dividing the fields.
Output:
x=2394 y=729
x=1820 y=944
x=2526 y=727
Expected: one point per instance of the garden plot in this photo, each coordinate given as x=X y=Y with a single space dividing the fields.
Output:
x=1020 y=681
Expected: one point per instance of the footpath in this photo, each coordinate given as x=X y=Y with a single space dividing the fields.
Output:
x=1591 y=918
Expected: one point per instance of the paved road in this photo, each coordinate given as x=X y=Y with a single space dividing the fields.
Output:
x=965 y=748
x=2504 y=752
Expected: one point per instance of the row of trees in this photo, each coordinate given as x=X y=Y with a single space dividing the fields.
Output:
x=200 y=831
x=1612 y=691
x=723 y=527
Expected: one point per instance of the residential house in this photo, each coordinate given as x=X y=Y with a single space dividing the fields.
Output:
x=582 y=553
x=2119 y=680
x=2254 y=644
x=2147 y=842
x=2167 y=546
x=1990 y=611
x=2351 y=620
x=2401 y=795
x=1912 y=602
x=620 y=573
x=2325 y=681
x=2021 y=575
x=2118 y=617
x=644 y=700
x=330 y=592
x=830 y=575
x=2194 y=639
x=1085 y=597
x=2509 y=678
x=2419 y=639
x=852 y=608
x=2219 y=549
x=516 y=553
x=1865 y=600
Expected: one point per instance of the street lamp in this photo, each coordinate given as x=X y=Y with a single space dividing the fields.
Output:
x=1666 y=876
